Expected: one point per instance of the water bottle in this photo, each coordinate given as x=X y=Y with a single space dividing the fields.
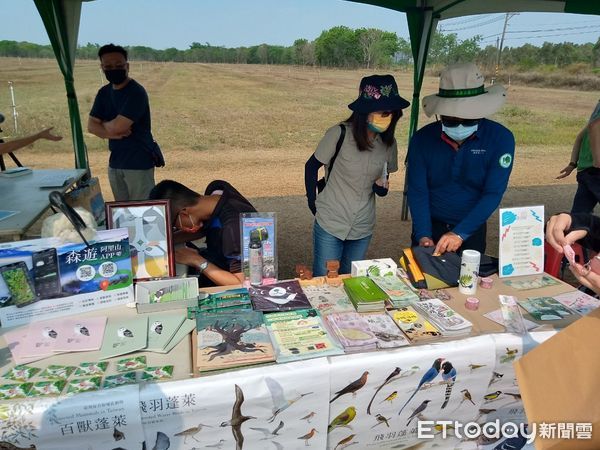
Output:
x=256 y=262
x=469 y=270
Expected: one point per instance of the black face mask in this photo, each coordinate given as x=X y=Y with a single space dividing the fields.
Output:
x=116 y=76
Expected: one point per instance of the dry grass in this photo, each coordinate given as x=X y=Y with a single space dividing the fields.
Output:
x=256 y=125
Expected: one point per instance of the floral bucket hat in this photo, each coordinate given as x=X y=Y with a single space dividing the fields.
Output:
x=378 y=93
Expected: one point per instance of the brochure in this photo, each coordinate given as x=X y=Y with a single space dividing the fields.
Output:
x=352 y=330
x=80 y=334
x=299 y=335
x=328 y=299
x=448 y=321
x=386 y=331
x=124 y=336
x=161 y=329
x=398 y=292
x=578 y=301
x=416 y=327
x=546 y=308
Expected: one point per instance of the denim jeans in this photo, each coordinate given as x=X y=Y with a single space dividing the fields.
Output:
x=588 y=191
x=326 y=247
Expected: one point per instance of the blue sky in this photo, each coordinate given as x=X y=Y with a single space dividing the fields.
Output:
x=232 y=23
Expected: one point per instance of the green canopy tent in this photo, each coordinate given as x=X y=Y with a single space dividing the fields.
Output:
x=61 y=20
x=423 y=15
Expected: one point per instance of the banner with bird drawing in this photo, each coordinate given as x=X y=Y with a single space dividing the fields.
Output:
x=377 y=398
x=268 y=407
x=99 y=420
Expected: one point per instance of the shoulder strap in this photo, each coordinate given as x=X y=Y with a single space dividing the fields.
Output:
x=338 y=146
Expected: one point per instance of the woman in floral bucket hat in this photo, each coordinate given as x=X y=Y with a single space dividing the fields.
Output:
x=357 y=154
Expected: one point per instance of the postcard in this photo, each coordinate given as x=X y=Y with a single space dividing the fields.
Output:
x=120 y=379
x=80 y=334
x=578 y=301
x=124 y=335
x=545 y=308
x=91 y=368
x=531 y=283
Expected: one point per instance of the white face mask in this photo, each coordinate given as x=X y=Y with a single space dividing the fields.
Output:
x=459 y=133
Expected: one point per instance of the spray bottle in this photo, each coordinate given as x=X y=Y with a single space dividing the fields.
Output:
x=256 y=258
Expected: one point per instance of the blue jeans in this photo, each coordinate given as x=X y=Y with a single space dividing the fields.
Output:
x=326 y=247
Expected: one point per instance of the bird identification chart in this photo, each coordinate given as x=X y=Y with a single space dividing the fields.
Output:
x=377 y=398
x=274 y=407
x=521 y=241
x=102 y=420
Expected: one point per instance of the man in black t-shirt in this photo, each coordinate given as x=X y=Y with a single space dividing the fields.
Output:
x=121 y=114
x=215 y=216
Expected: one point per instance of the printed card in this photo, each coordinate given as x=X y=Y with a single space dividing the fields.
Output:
x=127 y=364
x=56 y=372
x=21 y=373
x=47 y=388
x=91 y=368
x=10 y=391
x=79 y=385
x=157 y=373
x=121 y=379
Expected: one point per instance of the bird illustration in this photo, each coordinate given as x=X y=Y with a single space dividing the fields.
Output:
x=157 y=327
x=449 y=376
x=346 y=442
x=343 y=419
x=308 y=436
x=381 y=419
x=428 y=377
x=237 y=419
x=476 y=366
x=492 y=396
x=418 y=411
x=390 y=398
x=83 y=330
x=467 y=396
x=218 y=445
x=162 y=441
x=191 y=432
x=511 y=352
x=389 y=379
x=509 y=355
x=496 y=377
x=309 y=416
x=268 y=433
x=124 y=332
x=4 y=445
x=280 y=403
x=118 y=435
x=352 y=387
x=515 y=396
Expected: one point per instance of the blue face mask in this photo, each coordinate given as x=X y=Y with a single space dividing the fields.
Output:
x=459 y=133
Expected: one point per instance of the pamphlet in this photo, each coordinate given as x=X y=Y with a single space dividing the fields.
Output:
x=282 y=296
x=546 y=308
x=413 y=324
x=578 y=301
x=386 y=331
x=328 y=299
x=124 y=336
x=299 y=335
x=161 y=329
x=80 y=334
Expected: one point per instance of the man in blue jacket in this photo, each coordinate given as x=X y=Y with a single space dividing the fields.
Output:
x=458 y=166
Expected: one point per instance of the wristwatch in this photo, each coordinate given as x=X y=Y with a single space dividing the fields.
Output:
x=202 y=266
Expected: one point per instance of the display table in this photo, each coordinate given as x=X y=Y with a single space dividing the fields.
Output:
x=28 y=195
x=289 y=403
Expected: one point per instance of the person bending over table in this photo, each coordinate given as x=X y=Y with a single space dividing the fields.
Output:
x=458 y=166
x=565 y=229
x=16 y=144
x=215 y=216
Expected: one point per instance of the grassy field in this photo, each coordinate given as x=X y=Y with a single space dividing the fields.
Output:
x=256 y=126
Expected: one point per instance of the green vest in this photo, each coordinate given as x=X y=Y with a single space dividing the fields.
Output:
x=585 y=159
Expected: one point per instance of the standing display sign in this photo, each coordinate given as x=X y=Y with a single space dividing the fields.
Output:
x=45 y=278
x=521 y=241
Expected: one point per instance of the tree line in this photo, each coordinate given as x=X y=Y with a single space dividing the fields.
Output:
x=344 y=47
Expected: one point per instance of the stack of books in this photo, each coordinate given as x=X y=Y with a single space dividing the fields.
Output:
x=352 y=331
x=365 y=295
x=448 y=321
x=398 y=292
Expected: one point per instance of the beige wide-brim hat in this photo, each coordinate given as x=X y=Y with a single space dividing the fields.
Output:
x=463 y=95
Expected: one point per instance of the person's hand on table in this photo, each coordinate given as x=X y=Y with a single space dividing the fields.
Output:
x=188 y=256
x=46 y=134
x=556 y=228
x=449 y=242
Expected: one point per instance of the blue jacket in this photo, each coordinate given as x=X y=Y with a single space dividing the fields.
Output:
x=459 y=185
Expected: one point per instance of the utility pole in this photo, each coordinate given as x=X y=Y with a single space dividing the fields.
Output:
x=506 y=19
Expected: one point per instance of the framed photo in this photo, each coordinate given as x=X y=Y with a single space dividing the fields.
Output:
x=150 y=240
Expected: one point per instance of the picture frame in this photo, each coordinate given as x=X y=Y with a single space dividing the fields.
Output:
x=150 y=236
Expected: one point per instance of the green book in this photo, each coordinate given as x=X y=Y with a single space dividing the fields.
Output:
x=161 y=329
x=124 y=335
x=364 y=292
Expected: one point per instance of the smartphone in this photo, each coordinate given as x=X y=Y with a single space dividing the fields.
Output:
x=46 y=278
x=16 y=277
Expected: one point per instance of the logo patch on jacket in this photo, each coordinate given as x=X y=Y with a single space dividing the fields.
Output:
x=505 y=160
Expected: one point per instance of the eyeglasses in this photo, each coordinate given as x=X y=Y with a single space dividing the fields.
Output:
x=453 y=123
